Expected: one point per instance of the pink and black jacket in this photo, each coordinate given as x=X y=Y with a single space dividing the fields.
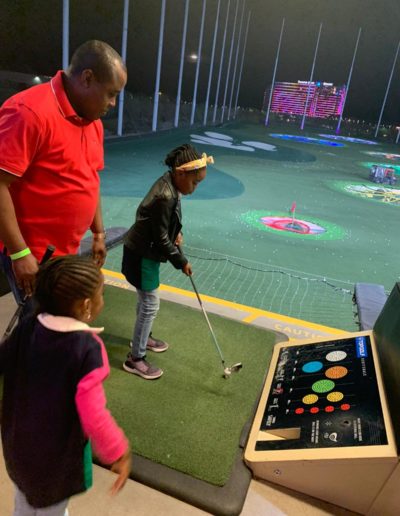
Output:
x=54 y=408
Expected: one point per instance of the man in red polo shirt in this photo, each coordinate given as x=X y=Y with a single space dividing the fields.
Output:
x=51 y=150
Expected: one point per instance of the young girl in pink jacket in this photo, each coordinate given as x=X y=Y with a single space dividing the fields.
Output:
x=54 y=406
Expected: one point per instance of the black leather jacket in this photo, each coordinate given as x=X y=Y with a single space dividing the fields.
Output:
x=157 y=224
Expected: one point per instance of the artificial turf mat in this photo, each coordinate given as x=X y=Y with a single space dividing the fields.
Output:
x=191 y=418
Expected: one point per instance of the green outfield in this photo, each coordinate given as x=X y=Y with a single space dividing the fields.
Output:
x=237 y=252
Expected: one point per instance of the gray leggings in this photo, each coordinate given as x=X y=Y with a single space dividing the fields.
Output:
x=22 y=507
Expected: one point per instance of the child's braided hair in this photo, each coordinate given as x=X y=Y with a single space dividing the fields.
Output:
x=181 y=155
x=62 y=281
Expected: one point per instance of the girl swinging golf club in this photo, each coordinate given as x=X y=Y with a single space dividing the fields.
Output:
x=152 y=239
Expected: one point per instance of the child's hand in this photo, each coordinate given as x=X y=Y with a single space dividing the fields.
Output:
x=179 y=239
x=123 y=468
x=187 y=269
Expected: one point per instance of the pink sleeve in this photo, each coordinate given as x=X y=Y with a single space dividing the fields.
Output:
x=107 y=438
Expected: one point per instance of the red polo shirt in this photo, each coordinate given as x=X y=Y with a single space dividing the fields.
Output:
x=57 y=155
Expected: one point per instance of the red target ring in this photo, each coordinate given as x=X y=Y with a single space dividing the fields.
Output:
x=296 y=226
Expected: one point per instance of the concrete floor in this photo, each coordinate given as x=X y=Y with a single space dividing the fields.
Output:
x=263 y=499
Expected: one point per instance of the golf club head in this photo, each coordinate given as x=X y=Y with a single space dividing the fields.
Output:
x=227 y=372
x=233 y=369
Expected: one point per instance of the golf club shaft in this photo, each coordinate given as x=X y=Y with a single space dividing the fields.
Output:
x=47 y=255
x=205 y=315
x=208 y=322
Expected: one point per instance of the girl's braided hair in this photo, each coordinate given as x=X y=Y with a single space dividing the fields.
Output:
x=62 y=281
x=181 y=155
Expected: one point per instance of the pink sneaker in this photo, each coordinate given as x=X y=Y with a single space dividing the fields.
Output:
x=156 y=345
x=142 y=368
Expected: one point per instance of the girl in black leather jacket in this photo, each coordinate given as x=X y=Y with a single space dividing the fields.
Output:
x=152 y=239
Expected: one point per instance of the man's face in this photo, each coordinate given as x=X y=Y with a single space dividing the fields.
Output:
x=101 y=96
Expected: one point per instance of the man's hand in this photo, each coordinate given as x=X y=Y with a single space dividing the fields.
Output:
x=99 y=251
x=123 y=468
x=25 y=270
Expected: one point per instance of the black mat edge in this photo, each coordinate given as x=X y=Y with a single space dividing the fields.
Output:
x=227 y=500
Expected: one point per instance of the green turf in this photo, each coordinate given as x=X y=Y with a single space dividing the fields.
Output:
x=191 y=418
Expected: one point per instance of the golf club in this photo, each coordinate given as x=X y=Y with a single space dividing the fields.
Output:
x=227 y=370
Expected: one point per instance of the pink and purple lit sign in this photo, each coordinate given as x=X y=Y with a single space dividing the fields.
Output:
x=324 y=99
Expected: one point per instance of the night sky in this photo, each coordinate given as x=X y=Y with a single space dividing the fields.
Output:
x=30 y=40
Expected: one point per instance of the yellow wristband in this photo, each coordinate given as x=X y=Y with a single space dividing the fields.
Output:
x=20 y=254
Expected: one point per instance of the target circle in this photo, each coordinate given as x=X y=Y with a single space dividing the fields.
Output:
x=295 y=227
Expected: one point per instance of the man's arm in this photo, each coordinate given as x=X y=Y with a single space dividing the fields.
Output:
x=24 y=268
x=99 y=250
